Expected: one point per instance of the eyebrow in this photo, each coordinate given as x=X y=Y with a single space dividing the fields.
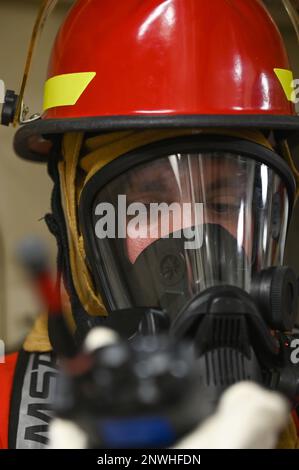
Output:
x=225 y=182
x=158 y=183
x=161 y=182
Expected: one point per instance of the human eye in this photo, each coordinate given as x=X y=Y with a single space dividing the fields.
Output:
x=224 y=204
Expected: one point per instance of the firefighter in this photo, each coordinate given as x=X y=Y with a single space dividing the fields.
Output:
x=156 y=101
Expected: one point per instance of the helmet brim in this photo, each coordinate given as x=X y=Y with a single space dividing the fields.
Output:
x=35 y=141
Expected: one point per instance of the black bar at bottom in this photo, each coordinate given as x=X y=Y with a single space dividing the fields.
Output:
x=135 y=458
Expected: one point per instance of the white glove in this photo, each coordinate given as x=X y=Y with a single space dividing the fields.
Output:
x=248 y=417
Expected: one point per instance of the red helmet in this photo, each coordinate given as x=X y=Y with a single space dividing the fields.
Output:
x=163 y=63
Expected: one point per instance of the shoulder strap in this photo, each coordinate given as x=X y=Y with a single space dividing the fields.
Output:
x=7 y=371
x=32 y=400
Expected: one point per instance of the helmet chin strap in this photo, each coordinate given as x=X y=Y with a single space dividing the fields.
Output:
x=57 y=226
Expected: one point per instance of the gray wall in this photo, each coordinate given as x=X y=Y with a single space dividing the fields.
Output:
x=24 y=187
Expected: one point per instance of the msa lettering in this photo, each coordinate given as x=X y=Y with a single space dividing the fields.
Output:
x=45 y=386
x=43 y=378
x=33 y=433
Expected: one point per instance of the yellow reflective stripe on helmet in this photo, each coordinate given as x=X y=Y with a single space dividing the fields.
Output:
x=65 y=90
x=286 y=80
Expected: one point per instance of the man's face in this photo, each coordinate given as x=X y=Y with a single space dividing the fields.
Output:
x=218 y=183
x=236 y=195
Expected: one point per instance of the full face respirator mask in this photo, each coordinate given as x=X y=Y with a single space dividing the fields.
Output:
x=185 y=238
